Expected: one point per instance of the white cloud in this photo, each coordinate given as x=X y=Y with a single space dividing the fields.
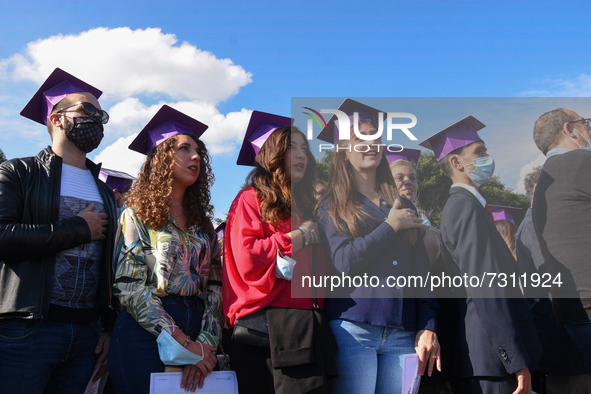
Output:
x=118 y=157
x=224 y=134
x=519 y=187
x=579 y=86
x=124 y=63
x=138 y=71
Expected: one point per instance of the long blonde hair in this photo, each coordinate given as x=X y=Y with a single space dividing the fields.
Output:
x=341 y=195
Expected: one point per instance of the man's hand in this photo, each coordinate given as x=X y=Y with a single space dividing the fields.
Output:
x=523 y=381
x=97 y=223
x=102 y=349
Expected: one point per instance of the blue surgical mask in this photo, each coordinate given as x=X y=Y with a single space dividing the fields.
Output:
x=582 y=147
x=173 y=353
x=485 y=167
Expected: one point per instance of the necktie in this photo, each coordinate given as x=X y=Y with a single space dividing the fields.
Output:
x=487 y=207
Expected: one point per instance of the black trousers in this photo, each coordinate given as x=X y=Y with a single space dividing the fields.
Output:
x=487 y=385
x=250 y=365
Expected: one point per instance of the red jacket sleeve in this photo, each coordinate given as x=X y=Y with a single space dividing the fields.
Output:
x=250 y=255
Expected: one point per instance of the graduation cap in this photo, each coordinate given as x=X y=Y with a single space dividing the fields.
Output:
x=366 y=114
x=459 y=134
x=57 y=86
x=505 y=213
x=221 y=230
x=167 y=123
x=411 y=155
x=116 y=179
x=260 y=127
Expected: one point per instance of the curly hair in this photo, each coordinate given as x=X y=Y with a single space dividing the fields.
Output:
x=151 y=192
x=272 y=184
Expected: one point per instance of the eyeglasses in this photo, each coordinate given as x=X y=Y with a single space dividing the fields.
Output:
x=90 y=110
x=587 y=120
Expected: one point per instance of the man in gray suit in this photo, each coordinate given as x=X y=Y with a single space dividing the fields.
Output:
x=562 y=368
x=562 y=218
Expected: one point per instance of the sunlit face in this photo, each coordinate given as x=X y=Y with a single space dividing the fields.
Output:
x=406 y=181
x=295 y=158
x=187 y=162
x=365 y=155
x=76 y=111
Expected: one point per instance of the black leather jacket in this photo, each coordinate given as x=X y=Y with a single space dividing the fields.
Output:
x=31 y=235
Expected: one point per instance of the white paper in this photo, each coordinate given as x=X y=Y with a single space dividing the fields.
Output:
x=216 y=382
x=92 y=388
x=411 y=380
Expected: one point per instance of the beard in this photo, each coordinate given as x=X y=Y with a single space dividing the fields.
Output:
x=68 y=125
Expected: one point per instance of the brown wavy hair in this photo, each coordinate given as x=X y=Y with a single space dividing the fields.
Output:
x=151 y=191
x=507 y=231
x=342 y=206
x=272 y=184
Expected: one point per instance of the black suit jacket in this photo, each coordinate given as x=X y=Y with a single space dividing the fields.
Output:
x=496 y=335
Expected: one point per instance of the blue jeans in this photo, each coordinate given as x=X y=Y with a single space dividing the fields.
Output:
x=133 y=354
x=46 y=356
x=370 y=357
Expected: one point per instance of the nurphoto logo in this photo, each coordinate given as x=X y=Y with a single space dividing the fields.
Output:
x=344 y=125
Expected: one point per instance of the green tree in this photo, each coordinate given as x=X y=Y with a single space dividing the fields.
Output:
x=323 y=166
x=2 y=157
x=433 y=187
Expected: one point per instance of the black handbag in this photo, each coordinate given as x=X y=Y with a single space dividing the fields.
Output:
x=253 y=329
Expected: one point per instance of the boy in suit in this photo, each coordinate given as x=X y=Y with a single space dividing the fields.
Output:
x=497 y=341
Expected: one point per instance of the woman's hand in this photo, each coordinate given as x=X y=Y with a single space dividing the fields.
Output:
x=192 y=378
x=196 y=375
x=429 y=351
x=403 y=218
x=209 y=359
x=312 y=229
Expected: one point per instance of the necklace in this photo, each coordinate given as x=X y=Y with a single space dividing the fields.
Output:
x=177 y=217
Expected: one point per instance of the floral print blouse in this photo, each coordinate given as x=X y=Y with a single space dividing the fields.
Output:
x=151 y=264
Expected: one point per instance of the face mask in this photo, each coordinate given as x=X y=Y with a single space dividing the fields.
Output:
x=485 y=167
x=426 y=220
x=284 y=267
x=173 y=353
x=86 y=133
x=582 y=147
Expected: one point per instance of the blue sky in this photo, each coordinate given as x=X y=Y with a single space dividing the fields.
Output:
x=218 y=61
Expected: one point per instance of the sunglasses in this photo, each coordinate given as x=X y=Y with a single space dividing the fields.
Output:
x=89 y=110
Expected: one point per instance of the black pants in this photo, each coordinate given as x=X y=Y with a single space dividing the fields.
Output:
x=487 y=385
x=250 y=365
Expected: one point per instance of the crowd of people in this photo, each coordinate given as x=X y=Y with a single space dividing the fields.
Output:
x=134 y=279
